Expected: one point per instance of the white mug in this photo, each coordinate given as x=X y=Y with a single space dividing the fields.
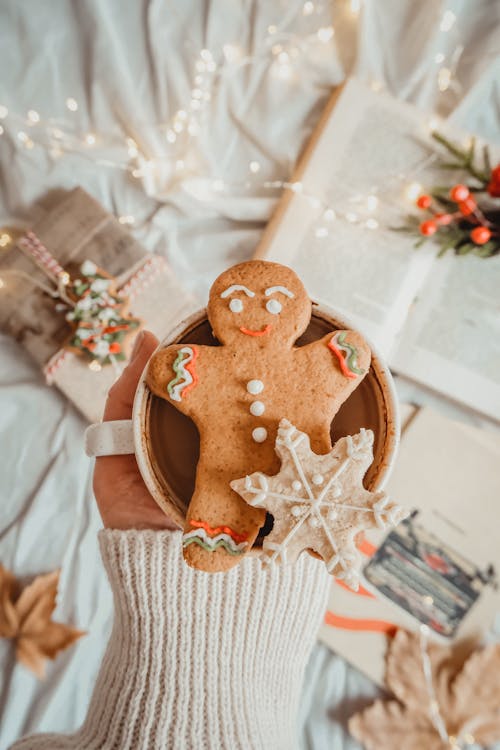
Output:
x=131 y=436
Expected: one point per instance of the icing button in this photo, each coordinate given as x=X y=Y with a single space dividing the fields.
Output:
x=257 y=408
x=259 y=434
x=255 y=386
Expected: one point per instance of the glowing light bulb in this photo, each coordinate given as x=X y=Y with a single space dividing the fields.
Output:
x=132 y=149
x=325 y=34
x=232 y=52
x=447 y=20
x=444 y=79
x=254 y=167
x=412 y=191
x=71 y=104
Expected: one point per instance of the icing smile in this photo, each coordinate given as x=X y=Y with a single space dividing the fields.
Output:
x=263 y=332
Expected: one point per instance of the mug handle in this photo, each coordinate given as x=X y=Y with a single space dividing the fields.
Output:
x=114 y=438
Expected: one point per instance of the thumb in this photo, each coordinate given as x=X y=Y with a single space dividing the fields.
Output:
x=121 y=396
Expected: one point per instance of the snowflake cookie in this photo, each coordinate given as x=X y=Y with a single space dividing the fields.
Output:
x=318 y=501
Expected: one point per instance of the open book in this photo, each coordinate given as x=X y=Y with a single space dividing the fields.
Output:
x=436 y=320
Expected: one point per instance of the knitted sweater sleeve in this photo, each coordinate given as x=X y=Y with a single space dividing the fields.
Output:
x=195 y=660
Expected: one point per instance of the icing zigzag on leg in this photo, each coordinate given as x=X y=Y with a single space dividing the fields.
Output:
x=200 y=537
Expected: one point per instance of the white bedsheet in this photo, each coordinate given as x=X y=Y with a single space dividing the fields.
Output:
x=129 y=64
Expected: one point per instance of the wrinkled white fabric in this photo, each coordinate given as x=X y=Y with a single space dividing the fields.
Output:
x=130 y=65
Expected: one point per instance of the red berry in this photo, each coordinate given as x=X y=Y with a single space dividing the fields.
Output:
x=459 y=193
x=467 y=207
x=480 y=235
x=427 y=228
x=114 y=348
x=424 y=201
x=443 y=219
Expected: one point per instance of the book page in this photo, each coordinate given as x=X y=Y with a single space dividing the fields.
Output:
x=369 y=275
x=440 y=567
x=451 y=340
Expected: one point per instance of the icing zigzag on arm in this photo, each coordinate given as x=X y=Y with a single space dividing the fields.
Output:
x=185 y=373
x=348 y=363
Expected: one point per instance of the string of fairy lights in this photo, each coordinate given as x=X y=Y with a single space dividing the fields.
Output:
x=168 y=163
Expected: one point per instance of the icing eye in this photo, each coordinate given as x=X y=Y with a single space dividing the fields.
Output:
x=236 y=305
x=274 y=307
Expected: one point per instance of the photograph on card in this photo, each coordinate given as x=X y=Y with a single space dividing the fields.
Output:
x=427 y=578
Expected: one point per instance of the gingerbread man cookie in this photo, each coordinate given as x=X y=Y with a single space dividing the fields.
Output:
x=238 y=392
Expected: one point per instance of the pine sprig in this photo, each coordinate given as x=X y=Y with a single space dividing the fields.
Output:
x=458 y=218
x=465 y=158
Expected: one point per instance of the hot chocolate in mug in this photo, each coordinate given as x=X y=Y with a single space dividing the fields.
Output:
x=166 y=442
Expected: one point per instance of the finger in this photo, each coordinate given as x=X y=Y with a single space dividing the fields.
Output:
x=121 y=396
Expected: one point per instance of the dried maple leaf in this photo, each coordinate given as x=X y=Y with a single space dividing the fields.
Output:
x=25 y=617
x=440 y=705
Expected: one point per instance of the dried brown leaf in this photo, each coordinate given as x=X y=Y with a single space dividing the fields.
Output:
x=389 y=726
x=37 y=602
x=467 y=697
x=405 y=673
x=9 y=620
x=27 y=620
x=475 y=695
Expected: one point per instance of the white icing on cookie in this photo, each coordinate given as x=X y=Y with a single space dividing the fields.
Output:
x=237 y=288
x=236 y=305
x=255 y=387
x=257 y=408
x=259 y=434
x=318 y=479
x=282 y=289
x=296 y=485
x=274 y=307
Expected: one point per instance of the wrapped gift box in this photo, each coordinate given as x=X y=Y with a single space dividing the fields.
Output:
x=77 y=229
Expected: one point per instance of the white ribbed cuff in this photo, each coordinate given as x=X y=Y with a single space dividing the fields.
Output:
x=199 y=660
